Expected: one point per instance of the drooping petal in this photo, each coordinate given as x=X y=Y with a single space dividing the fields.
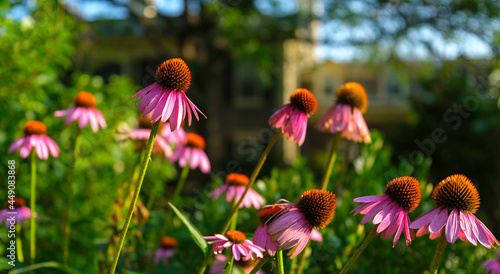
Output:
x=16 y=145
x=26 y=147
x=452 y=226
x=383 y=218
x=374 y=211
x=422 y=231
x=439 y=221
x=366 y=199
x=300 y=246
x=236 y=252
x=425 y=219
x=401 y=217
x=100 y=118
x=466 y=227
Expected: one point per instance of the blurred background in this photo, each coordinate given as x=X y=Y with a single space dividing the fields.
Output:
x=430 y=69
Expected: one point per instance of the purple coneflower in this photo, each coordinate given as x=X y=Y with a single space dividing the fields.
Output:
x=177 y=137
x=292 y=117
x=142 y=135
x=35 y=137
x=241 y=247
x=193 y=151
x=402 y=195
x=292 y=226
x=166 y=98
x=346 y=115
x=493 y=266
x=166 y=250
x=234 y=187
x=84 y=112
x=456 y=200
x=16 y=208
x=261 y=237
x=220 y=264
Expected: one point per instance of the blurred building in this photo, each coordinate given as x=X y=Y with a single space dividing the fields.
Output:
x=230 y=91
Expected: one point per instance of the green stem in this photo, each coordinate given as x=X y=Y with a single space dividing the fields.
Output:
x=33 y=209
x=439 y=254
x=252 y=179
x=234 y=222
x=230 y=262
x=67 y=220
x=331 y=160
x=19 y=244
x=279 y=256
x=138 y=186
x=293 y=266
x=360 y=250
x=259 y=265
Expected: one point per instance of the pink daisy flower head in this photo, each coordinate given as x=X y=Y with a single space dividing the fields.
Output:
x=292 y=226
x=141 y=134
x=493 y=266
x=245 y=266
x=241 y=248
x=234 y=187
x=16 y=208
x=193 y=152
x=35 y=137
x=346 y=115
x=84 y=112
x=261 y=237
x=166 y=98
x=456 y=200
x=166 y=250
x=292 y=117
x=402 y=195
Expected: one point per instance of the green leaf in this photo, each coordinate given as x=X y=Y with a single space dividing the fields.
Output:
x=4 y=264
x=56 y=265
x=195 y=233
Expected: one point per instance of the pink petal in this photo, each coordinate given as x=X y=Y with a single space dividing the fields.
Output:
x=439 y=221
x=422 y=231
x=154 y=107
x=374 y=211
x=366 y=199
x=425 y=219
x=169 y=106
x=94 y=123
x=452 y=227
x=383 y=218
x=16 y=144
x=26 y=147
x=401 y=217
x=74 y=115
x=435 y=235
x=466 y=227
x=298 y=248
x=236 y=253
x=100 y=118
